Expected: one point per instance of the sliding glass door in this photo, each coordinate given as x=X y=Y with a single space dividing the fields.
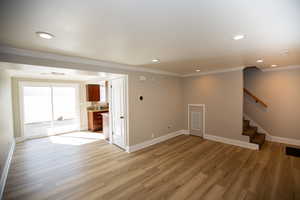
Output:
x=65 y=112
x=49 y=109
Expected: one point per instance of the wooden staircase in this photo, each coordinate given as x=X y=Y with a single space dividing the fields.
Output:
x=252 y=132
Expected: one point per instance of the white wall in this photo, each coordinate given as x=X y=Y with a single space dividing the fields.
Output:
x=222 y=95
x=6 y=118
x=280 y=90
x=161 y=111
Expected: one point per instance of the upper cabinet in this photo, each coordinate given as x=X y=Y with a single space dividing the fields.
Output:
x=93 y=92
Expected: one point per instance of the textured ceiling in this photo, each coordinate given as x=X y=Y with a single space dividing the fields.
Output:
x=182 y=34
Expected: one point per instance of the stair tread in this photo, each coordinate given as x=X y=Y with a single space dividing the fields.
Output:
x=259 y=138
x=250 y=131
x=246 y=121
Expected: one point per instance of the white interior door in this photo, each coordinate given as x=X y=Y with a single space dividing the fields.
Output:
x=196 y=118
x=118 y=111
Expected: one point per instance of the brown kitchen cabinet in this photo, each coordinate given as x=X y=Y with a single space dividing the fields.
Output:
x=93 y=92
x=95 y=122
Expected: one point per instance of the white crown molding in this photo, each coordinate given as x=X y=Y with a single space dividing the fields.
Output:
x=215 y=71
x=77 y=60
x=84 y=61
x=6 y=168
x=289 y=67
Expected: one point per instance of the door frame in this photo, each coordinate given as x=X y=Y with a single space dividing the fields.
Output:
x=22 y=84
x=126 y=112
x=203 y=117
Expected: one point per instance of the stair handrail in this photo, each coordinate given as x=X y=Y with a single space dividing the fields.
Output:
x=257 y=100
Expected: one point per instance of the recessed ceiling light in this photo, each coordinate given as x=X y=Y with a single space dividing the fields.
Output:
x=45 y=35
x=259 y=61
x=238 y=37
x=274 y=65
x=198 y=70
x=155 y=60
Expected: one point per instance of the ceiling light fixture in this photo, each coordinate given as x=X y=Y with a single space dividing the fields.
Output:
x=259 y=61
x=274 y=65
x=198 y=70
x=238 y=37
x=53 y=73
x=45 y=35
x=58 y=73
x=155 y=60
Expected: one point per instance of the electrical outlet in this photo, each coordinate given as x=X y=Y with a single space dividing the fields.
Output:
x=152 y=135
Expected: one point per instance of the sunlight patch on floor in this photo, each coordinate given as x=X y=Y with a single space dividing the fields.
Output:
x=77 y=138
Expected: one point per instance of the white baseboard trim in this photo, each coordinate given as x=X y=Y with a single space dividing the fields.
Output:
x=231 y=141
x=185 y=132
x=157 y=140
x=148 y=143
x=6 y=168
x=284 y=140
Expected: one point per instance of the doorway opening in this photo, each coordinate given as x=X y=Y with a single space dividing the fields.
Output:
x=71 y=107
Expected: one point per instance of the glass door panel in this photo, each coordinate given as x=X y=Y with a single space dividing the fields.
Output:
x=37 y=111
x=64 y=103
x=65 y=109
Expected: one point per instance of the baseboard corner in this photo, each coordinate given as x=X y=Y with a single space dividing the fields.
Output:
x=185 y=132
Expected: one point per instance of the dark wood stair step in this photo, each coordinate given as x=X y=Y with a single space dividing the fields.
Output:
x=259 y=139
x=246 y=123
x=250 y=131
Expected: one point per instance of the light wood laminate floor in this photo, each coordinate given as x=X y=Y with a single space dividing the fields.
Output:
x=185 y=167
